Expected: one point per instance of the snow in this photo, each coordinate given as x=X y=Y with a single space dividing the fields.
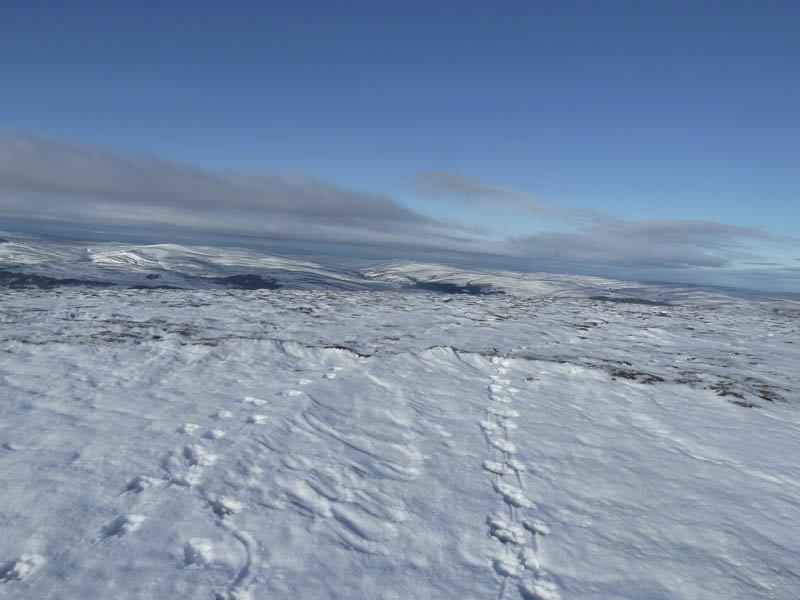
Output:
x=374 y=441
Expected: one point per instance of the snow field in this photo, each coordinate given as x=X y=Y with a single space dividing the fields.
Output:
x=399 y=477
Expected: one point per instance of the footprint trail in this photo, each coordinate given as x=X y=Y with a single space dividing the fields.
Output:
x=515 y=532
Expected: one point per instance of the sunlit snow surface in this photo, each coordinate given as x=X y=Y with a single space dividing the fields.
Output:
x=348 y=437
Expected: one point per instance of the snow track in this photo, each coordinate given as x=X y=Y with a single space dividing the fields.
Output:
x=519 y=533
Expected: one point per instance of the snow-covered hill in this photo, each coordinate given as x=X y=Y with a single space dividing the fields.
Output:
x=387 y=430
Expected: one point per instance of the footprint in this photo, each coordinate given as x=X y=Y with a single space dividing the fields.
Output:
x=503 y=530
x=122 y=525
x=201 y=552
x=257 y=419
x=222 y=414
x=503 y=445
x=213 y=434
x=225 y=506
x=488 y=426
x=198 y=551
x=189 y=479
x=529 y=559
x=535 y=526
x=188 y=428
x=512 y=495
x=198 y=456
x=304 y=382
x=292 y=393
x=140 y=484
x=19 y=568
x=497 y=468
x=254 y=401
x=506 y=567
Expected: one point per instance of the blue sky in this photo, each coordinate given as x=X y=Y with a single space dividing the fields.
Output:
x=505 y=123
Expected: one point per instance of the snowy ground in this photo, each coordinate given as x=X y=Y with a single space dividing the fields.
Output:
x=382 y=442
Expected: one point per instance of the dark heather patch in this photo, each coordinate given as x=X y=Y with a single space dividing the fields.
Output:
x=624 y=300
x=441 y=287
x=248 y=282
x=13 y=279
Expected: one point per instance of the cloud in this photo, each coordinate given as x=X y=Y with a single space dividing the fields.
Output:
x=602 y=238
x=49 y=166
x=445 y=183
x=56 y=180
x=495 y=197
x=653 y=243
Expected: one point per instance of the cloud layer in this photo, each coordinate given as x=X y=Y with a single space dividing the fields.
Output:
x=69 y=171
x=58 y=181
x=496 y=198
x=650 y=243
x=472 y=190
x=599 y=238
